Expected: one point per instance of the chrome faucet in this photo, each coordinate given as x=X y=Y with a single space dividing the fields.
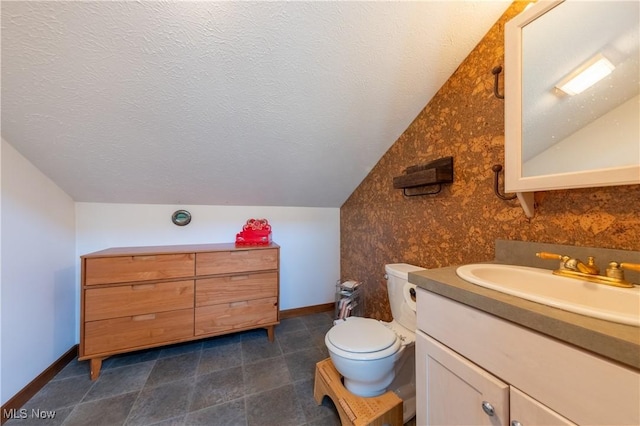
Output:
x=575 y=268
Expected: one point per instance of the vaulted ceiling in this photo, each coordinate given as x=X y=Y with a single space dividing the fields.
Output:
x=238 y=103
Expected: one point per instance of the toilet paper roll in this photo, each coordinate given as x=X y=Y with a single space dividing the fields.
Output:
x=406 y=292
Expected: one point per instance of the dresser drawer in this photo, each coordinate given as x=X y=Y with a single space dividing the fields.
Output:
x=236 y=316
x=127 y=300
x=213 y=291
x=112 y=335
x=231 y=262
x=105 y=270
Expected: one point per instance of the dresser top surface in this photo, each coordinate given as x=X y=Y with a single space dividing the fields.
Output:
x=172 y=249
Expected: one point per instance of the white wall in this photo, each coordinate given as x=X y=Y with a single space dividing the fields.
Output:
x=309 y=238
x=43 y=233
x=38 y=286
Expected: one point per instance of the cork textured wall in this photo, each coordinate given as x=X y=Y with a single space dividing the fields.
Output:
x=466 y=121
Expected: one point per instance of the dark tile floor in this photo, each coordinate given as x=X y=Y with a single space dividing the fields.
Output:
x=238 y=379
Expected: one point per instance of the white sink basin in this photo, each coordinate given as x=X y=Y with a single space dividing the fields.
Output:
x=621 y=305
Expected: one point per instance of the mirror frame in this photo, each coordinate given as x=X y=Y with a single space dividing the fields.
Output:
x=514 y=181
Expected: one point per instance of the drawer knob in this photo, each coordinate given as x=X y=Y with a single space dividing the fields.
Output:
x=515 y=423
x=488 y=408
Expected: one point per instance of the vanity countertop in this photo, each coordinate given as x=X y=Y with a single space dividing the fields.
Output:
x=614 y=341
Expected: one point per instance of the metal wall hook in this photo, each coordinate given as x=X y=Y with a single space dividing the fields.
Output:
x=497 y=168
x=496 y=72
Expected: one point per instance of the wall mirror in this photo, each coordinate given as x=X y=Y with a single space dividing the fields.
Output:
x=556 y=138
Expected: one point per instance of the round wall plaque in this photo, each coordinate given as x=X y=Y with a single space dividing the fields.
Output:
x=181 y=217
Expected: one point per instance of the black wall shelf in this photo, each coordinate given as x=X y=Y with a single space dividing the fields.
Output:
x=418 y=179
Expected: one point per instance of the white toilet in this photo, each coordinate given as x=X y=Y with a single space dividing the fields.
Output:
x=375 y=356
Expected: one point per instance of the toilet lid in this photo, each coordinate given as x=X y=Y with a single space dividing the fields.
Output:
x=361 y=336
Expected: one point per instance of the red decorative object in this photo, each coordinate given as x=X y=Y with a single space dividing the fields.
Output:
x=256 y=232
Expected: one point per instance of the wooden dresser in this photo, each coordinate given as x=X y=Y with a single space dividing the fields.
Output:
x=141 y=297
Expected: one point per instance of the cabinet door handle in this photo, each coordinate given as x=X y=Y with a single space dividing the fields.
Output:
x=488 y=408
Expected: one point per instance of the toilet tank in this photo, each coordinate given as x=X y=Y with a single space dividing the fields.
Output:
x=403 y=305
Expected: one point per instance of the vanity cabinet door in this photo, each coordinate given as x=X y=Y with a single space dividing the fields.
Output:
x=451 y=390
x=526 y=411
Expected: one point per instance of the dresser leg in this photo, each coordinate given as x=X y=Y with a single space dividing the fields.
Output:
x=95 y=365
x=271 y=334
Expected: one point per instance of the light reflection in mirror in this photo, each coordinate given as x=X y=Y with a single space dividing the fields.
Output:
x=599 y=128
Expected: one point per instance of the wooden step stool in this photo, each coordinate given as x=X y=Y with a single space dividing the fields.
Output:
x=353 y=410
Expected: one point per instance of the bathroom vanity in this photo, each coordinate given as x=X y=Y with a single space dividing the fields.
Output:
x=141 y=297
x=486 y=357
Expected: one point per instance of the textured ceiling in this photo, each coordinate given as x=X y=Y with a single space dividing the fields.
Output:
x=239 y=103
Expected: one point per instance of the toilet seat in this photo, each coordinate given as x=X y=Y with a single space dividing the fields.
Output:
x=362 y=339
